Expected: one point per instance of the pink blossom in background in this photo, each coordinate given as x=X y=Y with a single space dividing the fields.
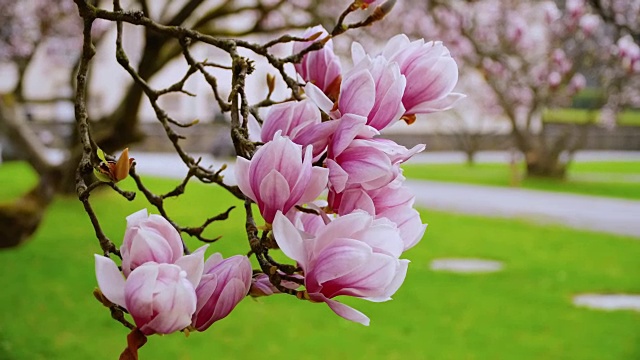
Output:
x=160 y=297
x=321 y=67
x=279 y=176
x=551 y=11
x=149 y=238
x=224 y=284
x=354 y=255
x=554 y=79
x=589 y=23
x=629 y=52
x=577 y=83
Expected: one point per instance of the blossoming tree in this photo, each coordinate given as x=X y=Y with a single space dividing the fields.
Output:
x=534 y=56
x=329 y=190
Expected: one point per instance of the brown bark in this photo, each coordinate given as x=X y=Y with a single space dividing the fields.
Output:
x=21 y=217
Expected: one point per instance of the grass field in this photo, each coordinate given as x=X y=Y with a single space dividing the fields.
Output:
x=615 y=179
x=585 y=116
x=524 y=312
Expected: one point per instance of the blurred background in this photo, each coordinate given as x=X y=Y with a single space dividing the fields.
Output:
x=530 y=185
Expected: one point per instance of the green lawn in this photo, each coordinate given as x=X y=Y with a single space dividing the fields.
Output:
x=584 y=116
x=616 y=179
x=524 y=312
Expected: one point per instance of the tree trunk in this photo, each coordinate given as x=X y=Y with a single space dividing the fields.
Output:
x=542 y=163
x=470 y=157
x=20 y=218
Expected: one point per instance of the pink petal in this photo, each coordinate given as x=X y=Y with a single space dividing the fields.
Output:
x=242 y=177
x=137 y=217
x=357 y=52
x=179 y=302
x=233 y=292
x=342 y=227
x=274 y=191
x=193 y=265
x=212 y=261
x=316 y=185
x=383 y=236
x=368 y=280
x=347 y=312
x=394 y=285
x=166 y=231
x=289 y=239
x=354 y=199
x=357 y=93
x=110 y=280
x=338 y=259
x=318 y=97
x=432 y=106
x=348 y=128
x=337 y=176
x=139 y=290
x=395 y=44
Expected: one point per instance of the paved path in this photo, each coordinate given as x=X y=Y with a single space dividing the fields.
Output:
x=616 y=216
x=457 y=157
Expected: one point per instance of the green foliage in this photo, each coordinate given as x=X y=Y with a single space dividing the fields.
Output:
x=615 y=179
x=48 y=311
x=589 y=98
x=16 y=178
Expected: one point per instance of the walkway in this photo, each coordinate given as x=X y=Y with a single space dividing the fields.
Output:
x=615 y=216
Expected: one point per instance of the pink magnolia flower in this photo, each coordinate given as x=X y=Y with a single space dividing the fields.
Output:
x=361 y=165
x=589 y=23
x=321 y=67
x=430 y=71
x=280 y=176
x=372 y=89
x=153 y=239
x=149 y=238
x=354 y=255
x=366 y=163
x=161 y=298
x=223 y=285
x=577 y=83
x=394 y=202
x=290 y=118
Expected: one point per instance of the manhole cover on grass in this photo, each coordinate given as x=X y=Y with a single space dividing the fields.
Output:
x=608 y=301
x=467 y=265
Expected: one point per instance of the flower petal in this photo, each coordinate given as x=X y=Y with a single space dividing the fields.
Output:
x=242 y=177
x=289 y=239
x=348 y=312
x=193 y=265
x=110 y=280
x=318 y=97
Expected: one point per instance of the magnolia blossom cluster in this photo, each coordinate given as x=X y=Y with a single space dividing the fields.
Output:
x=27 y=24
x=164 y=290
x=629 y=53
x=351 y=243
